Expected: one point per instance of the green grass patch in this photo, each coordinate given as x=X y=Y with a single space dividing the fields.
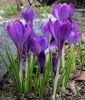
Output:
x=45 y=10
x=82 y=23
x=10 y=10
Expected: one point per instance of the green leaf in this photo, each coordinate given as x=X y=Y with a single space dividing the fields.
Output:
x=81 y=56
x=4 y=62
x=14 y=69
x=69 y=65
x=48 y=73
x=8 y=68
x=36 y=81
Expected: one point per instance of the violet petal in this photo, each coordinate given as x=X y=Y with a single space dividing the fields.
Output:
x=41 y=61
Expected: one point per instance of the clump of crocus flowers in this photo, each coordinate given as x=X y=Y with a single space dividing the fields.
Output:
x=36 y=65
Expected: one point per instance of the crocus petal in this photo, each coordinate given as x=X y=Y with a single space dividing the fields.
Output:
x=35 y=46
x=45 y=27
x=11 y=32
x=41 y=61
x=55 y=10
x=57 y=25
x=75 y=25
x=43 y=43
x=24 y=14
x=30 y=14
x=64 y=12
x=28 y=31
x=28 y=35
x=74 y=37
x=19 y=30
x=71 y=9
x=51 y=26
x=54 y=63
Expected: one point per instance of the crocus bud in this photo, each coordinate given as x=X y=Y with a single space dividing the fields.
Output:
x=28 y=14
x=42 y=61
x=54 y=63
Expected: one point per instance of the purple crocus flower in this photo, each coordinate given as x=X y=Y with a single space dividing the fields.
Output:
x=38 y=47
x=28 y=14
x=60 y=32
x=75 y=34
x=62 y=11
x=19 y=33
x=54 y=63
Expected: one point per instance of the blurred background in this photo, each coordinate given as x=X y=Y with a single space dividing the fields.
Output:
x=78 y=3
x=12 y=7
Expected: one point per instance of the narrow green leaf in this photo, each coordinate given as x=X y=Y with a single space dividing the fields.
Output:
x=69 y=65
x=14 y=69
x=8 y=68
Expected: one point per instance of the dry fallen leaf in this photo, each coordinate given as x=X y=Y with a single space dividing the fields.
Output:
x=81 y=77
x=75 y=75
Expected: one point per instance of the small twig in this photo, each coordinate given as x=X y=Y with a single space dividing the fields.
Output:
x=73 y=88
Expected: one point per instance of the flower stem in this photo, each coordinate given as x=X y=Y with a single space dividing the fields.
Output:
x=41 y=85
x=21 y=74
x=63 y=65
x=56 y=80
x=26 y=74
x=63 y=58
x=36 y=82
